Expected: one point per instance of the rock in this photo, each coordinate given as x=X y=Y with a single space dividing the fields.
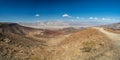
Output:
x=6 y=40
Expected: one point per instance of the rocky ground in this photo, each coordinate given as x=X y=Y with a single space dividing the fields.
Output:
x=23 y=43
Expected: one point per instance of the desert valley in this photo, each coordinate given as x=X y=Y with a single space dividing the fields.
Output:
x=59 y=29
x=19 y=42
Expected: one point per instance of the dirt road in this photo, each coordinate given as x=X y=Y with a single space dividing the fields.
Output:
x=113 y=36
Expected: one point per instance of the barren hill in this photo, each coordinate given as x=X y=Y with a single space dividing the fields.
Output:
x=23 y=43
x=17 y=42
x=89 y=44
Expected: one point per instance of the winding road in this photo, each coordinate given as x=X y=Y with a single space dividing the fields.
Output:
x=113 y=36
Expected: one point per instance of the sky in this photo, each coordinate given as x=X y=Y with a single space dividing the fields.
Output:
x=40 y=10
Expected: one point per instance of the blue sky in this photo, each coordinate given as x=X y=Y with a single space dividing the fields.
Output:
x=39 y=10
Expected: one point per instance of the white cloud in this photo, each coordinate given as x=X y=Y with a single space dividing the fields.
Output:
x=91 y=18
x=72 y=20
x=95 y=18
x=106 y=19
x=66 y=15
x=103 y=18
x=37 y=15
x=78 y=17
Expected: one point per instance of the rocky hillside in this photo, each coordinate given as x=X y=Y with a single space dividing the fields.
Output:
x=14 y=28
x=23 y=43
x=88 y=44
x=17 y=42
x=14 y=44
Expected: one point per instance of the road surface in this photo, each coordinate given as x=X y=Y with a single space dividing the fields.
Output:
x=113 y=36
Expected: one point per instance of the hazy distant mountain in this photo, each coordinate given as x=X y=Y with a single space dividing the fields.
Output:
x=113 y=26
x=60 y=24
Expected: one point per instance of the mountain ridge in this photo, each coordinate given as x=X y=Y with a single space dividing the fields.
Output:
x=24 y=43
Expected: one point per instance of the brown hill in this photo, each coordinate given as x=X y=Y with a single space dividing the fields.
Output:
x=89 y=44
x=23 y=43
x=14 y=45
x=14 y=28
x=17 y=42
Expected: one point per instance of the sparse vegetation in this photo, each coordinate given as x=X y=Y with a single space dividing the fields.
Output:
x=33 y=44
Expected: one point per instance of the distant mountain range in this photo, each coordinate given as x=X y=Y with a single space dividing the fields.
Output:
x=60 y=24
x=113 y=26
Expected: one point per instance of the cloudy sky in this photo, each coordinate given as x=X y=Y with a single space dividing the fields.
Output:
x=40 y=10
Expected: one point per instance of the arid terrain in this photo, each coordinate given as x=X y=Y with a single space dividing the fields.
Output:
x=18 y=42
